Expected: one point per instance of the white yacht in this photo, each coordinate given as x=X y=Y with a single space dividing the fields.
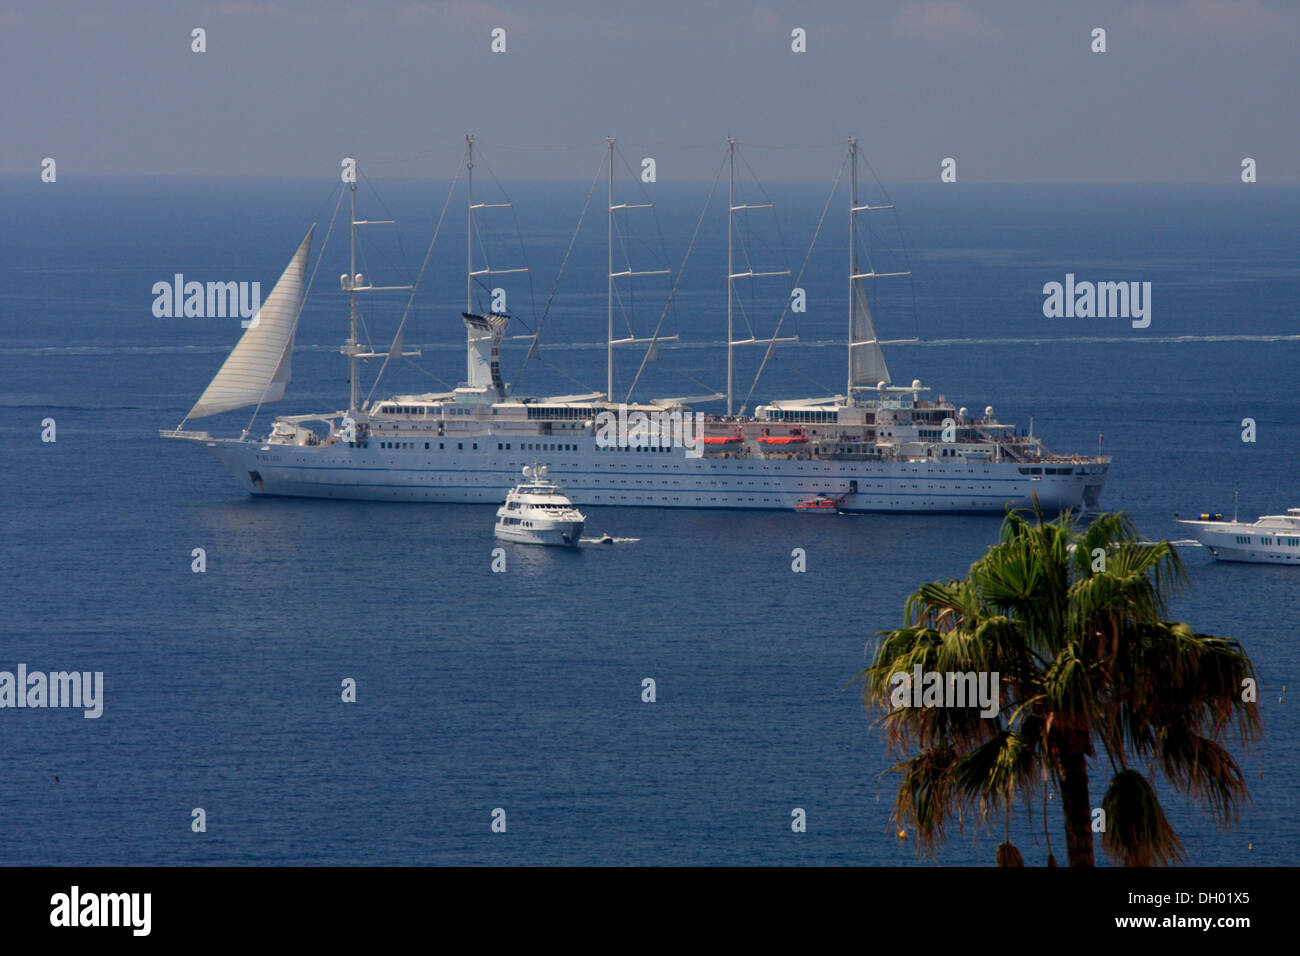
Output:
x=535 y=512
x=1270 y=539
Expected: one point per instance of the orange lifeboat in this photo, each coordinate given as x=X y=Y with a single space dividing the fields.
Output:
x=723 y=441
x=796 y=437
x=818 y=505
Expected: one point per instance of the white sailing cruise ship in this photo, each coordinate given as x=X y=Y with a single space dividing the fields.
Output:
x=879 y=446
x=1269 y=539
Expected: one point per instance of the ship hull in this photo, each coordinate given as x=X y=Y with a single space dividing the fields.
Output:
x=664 y=479
x=564 y=534
x=1244 y=544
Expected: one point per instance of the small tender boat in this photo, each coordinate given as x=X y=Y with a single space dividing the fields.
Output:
x=1271 y=539
x=535 y=512
x=818 y=505
x=605 y=539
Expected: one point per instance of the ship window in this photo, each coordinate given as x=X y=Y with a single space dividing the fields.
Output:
x=426 y=446
x=460 y=446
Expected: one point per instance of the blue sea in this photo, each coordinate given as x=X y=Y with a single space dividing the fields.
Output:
x=523 y=691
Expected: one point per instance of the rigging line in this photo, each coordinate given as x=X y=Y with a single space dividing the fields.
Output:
x=572 y=241
x=621 y=236
x=519 y=233
x=771 y=346
x=805 y=146
x=401 y=249
x=825 y=388
x=559 y=371
x=431 y=151
x=694 y=380
x=420 y=368
x=712 y=145
x=414 y=288
x=902 y=241
x=320 y=257
x=780 y=233
x=672 y=293
x=370 y=343
x=662 y=253
x=321 y=207
x=552 y=148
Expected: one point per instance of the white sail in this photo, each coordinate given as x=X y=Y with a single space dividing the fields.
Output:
x=869 y=366
x=259 y=366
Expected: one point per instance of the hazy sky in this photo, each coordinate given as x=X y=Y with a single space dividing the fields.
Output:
x=1011 y=90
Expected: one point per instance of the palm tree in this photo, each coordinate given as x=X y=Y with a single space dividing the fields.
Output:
x=1074 y=624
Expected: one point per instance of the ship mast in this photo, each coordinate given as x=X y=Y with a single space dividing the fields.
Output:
x=609 y=286
x=353 y=283
x=853 y=258
x=469 y=223
x=862 y=331
x=354 y=386
x=474 y=334
x=627 y=273
x=731 y=212
x=733 y=275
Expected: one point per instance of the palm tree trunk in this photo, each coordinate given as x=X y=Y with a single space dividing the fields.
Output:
x=1072 y=760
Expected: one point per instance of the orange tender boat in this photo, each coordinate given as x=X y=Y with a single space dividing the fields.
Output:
x=819 y=505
